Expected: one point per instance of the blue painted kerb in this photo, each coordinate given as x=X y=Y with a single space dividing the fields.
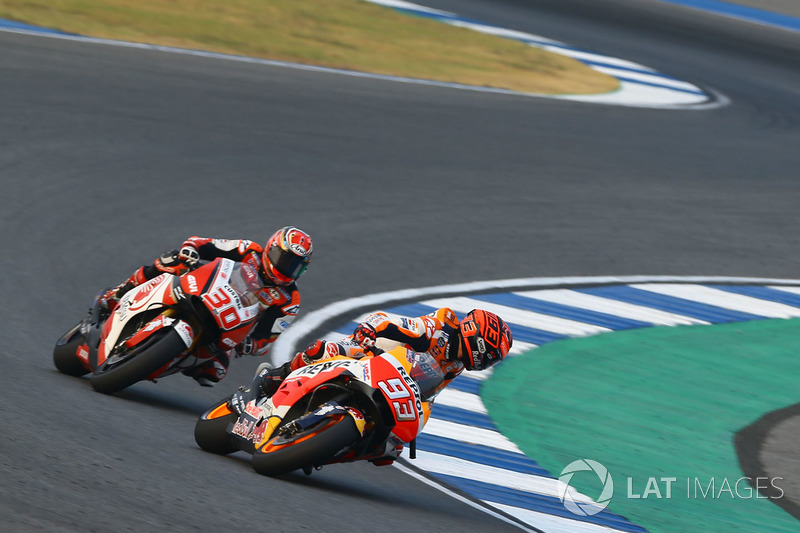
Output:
x=742 y=12
x=14 y=25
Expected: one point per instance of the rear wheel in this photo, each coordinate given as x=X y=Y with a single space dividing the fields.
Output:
x=65 y=352
x=119 y=372
x=312 y=447
x=211 y=430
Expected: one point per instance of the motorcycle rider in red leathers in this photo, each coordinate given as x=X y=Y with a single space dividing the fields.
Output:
x=479 y=341
x=280 y=262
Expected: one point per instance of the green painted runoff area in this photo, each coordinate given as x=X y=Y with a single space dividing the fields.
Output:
x=655 y=403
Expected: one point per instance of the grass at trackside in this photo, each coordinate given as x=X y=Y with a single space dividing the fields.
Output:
x=349 y=34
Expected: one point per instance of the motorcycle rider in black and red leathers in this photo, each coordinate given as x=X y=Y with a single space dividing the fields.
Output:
x=280 y=262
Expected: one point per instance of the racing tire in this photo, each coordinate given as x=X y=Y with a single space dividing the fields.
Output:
x=310 y=448
x=211 y=430
x=65 y=353
x=154 y=353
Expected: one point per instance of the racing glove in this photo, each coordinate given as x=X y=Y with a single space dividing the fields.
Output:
x=365 y=335
x=178 y=262
x=246 y=347
x=314 y=352
x=189 y=255
x=110 y=299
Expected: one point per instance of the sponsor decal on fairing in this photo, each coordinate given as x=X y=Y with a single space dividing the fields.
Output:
x=325 y=409
x=314 y=369
x=140 y=297
x=358 y=418
x=230 y=343
x=355 y=413
x=249 y=273
x=252 y=410
x=250 y=430
x=122 y=310
x=185 y=332
x=177 y=291
x=83 y=353
x=159 y=322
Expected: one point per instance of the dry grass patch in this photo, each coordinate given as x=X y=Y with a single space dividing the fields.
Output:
x=348 y=34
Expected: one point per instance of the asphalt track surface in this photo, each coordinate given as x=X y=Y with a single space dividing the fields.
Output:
x=111 y=155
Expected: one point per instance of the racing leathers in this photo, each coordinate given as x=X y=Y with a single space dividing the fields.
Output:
x=279 y=304
x=436 y=334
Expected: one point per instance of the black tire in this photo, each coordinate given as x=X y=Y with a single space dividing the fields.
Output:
x=211 y=430
x=152 y=355
x=65 y=353
x=324 y=442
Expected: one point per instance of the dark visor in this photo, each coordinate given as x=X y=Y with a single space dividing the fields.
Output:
x=286 y=263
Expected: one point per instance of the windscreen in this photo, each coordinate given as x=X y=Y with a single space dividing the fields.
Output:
x=426 y=372
x=245 y=281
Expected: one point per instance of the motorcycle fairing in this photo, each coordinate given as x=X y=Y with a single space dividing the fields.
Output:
x=221 y=299
x=250 y=426
x=155 y=293
x=402 y=392
x=385 y=372
x=298 y=384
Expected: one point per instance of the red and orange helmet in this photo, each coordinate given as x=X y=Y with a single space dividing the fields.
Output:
x=486 y=337
x=286 y=255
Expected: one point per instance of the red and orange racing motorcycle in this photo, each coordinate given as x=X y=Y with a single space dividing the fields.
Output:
x=333 y=411
x=157 y=328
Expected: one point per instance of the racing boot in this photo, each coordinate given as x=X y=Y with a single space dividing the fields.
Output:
x=264 y=385
x=213 y=370
x=109 y=301
x=206 y=375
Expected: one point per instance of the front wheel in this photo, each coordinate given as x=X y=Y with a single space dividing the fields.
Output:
x=312 y=447
x=116 y=374
x=65 y=353
x=211 y=430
